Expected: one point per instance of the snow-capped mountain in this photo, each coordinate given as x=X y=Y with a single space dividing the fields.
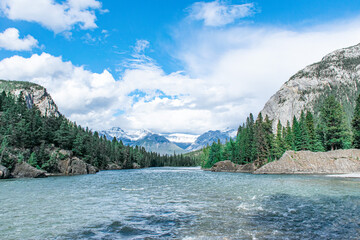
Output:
x=167 y=143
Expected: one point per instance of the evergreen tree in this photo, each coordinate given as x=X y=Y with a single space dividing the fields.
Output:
x=336 y=135
x=315 y=143
x=356 y=124
x=279 y=146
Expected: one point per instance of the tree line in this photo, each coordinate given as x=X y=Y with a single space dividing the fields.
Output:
x=256 y=142
x=25 y=135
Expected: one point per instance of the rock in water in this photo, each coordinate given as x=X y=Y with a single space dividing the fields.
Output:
x=306 y=162
x=228 y=166
x=4 y=172
x=24 y=170
x=336 y=74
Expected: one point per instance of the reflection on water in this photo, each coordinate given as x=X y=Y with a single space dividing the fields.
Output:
x=180 y=203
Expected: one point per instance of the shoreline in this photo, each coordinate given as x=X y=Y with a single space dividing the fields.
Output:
x=346 y=175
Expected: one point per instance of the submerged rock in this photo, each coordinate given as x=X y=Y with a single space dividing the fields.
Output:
x=306 y=162
x=24 y=170
x=4 y=172
x=228 y=166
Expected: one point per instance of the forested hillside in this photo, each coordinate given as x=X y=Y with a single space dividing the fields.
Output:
x=26 y=135
x=257 y=143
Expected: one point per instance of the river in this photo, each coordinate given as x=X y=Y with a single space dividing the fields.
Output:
x=180 y=203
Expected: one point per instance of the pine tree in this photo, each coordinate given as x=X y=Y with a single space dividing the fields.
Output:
x=336 y=134
x=305 y=138
x=315 y=143
x=261 y=141
x=298 y=138
x=279 y=147
x=356 y=124
x=289 y=137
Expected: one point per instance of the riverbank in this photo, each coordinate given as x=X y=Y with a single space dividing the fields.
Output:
x=307 y=162
x=348 y=175
x=303 y=162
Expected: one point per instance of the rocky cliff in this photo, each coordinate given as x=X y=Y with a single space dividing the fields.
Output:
x=34 y=95
x=336 y=74
x=306 y=162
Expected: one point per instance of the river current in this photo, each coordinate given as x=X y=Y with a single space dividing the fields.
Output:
x=180 y=203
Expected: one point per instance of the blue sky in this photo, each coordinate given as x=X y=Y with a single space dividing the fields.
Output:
x=167 y=65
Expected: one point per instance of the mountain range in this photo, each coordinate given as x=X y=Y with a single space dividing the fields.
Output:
x=167 y=143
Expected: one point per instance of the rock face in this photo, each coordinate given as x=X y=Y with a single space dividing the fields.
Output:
x=24 y=170
x=34 y=95
x=4 y=172
x=306 y=162
x=75 y=166
x=336 y=74
x=228 y=166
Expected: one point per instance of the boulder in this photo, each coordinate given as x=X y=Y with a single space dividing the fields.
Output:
x=113 y=166
x=306 y=162
x=24 y=170
x=135 y=166
x=228 y=166
x=75 y=166
x=4 y=172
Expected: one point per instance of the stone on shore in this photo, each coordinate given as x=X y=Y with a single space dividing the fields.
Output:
x=24 y=170
x=4 y=172
x=75 y=166
x=228 y=166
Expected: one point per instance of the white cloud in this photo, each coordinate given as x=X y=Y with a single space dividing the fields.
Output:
x=219 y=13
x=80 y=94
x=54 y=16
x=140 y=46
x=10 y=40
x=229 y=73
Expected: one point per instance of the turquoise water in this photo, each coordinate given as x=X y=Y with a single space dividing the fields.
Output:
x=180 y=203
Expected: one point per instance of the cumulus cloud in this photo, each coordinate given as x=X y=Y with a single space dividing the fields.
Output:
x=83 y=96
x=58 y=17
x=219 y=13
x=245 y=66
x=228 y=73
x=10 y=40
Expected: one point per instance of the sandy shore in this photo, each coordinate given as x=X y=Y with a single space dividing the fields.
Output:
x=347 y=175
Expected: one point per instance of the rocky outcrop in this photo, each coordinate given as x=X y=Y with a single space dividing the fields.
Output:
x=306 y=162
x=75 y=166
x=24 y=170
x=228 y=166
x=34 y=95
x=336 y=74
x=4 y=172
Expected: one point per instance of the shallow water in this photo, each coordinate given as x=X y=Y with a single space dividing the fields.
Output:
x=180 y=203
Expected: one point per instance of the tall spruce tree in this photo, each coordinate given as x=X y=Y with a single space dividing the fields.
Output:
x=279 y=146
x=336 y=134
x=356 y=124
